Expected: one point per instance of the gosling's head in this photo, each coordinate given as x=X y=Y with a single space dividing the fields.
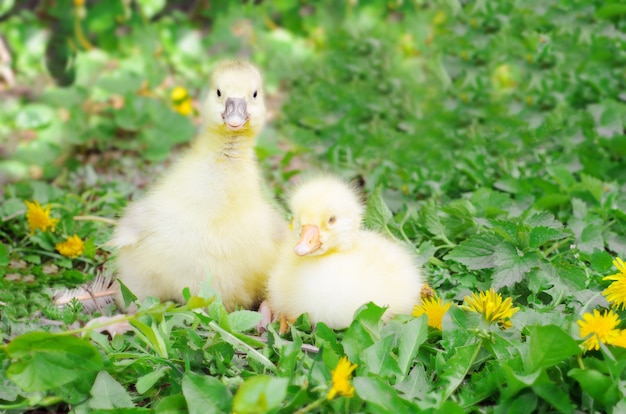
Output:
x=327 y=215
x=235 y=104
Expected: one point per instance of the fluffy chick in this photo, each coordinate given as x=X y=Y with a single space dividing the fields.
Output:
x=331 y=266
x=209 y=214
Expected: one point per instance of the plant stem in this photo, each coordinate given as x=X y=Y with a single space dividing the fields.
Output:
x=96 y=218
x=311 y=406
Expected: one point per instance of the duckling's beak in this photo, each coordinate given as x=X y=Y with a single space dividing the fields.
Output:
x=309 y=240
x=235 y=113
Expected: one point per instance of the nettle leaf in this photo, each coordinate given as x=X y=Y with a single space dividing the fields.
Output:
x=544 y=219
x=588 y=232
x=43 y=361
x=206 y=394
x=377 y=214
x=431 y=220
x=593 y=185
x=107 y=393
x=542 y=235
x=506 y=229
x=570 y=275
x=260 y=394
x=549 y=345
x=608 y=118
x=512 y=265
x=477 y=252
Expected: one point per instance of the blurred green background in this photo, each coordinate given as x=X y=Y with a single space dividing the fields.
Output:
x=429 y=97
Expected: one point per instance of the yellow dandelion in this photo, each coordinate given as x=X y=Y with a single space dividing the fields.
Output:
x=601 y=327
x=434 y=308
x=184 y=108
x=491 y=306
x=72 y=247
x=39 y=217
x=620 y=340
x=616 y=292
x=181 y=101
x=179 y=94
x=341 y=379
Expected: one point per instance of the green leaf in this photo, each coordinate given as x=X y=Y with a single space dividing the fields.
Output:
x=151 y=336
x=476 y=252
x=512 y=265
x=549 y=345
x=174 y=404
x=416 y=385
x=206 y=394
x=260 y=394
x=34 y=116
x=458 y=366
x=43 y=361
x=600 y=387
x=4 y=255
x=107 y=393
x=377 y=214
x=542 y=235
x=243 y=320
x=378 y=358
x=380 y=394
x=593 y=185
x=414 y=334
x=146 y=382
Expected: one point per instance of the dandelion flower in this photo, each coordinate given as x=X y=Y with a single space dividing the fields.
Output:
x=341 y=379
x=616 y=292
x=181 y=101
x=602 y=328
x=39 y=217
x=491 y=306
x=620 y=340
x=72 y=247
x=434 y=308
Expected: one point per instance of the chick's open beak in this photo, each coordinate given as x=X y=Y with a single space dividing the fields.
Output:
x=309 y=240
x=235 y=113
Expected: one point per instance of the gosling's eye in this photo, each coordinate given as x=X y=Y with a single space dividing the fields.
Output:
x=332 y=220
x=254 y=94
x=219 y=93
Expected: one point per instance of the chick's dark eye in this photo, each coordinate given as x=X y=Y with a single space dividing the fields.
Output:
x=219 y=93
x=254 y=94
x=332 y=220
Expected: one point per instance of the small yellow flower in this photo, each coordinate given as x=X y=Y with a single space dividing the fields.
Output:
x=491 y=306
x=620 y=340
x=39 y=217
x=602 y=328
x=181 y=101
x=616 y=292
x=72 y=247
x=179 y=94
x=434 y=308
x=341 y=379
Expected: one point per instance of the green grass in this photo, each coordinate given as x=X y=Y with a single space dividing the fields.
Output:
x=490 y=136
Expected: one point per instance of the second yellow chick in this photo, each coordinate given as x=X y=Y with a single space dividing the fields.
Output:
x=332 y=266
